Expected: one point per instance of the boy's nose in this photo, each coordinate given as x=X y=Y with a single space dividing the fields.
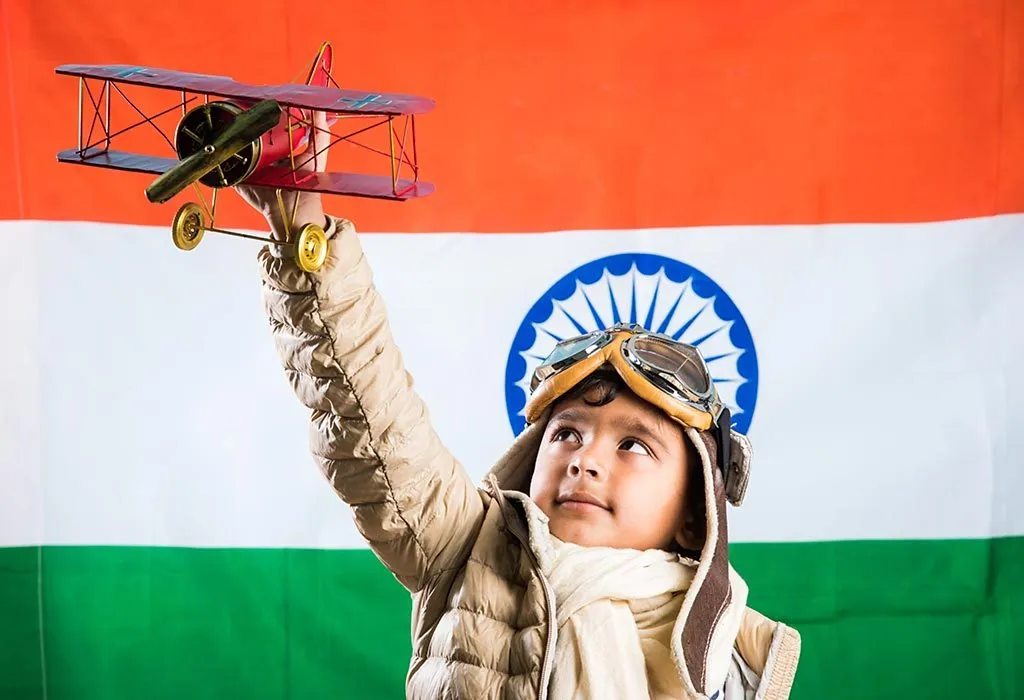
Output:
x=585 y=463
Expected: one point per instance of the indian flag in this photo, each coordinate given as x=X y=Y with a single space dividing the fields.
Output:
x=826 y=197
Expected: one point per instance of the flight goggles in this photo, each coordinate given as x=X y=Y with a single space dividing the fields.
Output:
x=659 y=369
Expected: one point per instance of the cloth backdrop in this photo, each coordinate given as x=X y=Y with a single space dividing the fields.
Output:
x=826 y=197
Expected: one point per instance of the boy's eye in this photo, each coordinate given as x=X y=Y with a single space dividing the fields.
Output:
x=636 y=446
x=563 y=434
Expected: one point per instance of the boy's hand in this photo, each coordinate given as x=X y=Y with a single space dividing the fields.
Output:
x=309 y=209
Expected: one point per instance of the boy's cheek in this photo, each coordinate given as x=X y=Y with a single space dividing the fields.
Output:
x=542 y=492
x=652 y=502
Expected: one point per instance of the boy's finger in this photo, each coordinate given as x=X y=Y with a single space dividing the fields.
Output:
x=314 y=159
x=321 y=139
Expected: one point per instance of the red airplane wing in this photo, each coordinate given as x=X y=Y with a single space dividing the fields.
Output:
x=119 y=160
x=350 y=184
x=301 y=96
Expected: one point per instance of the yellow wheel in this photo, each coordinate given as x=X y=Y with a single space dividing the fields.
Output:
x=187 y=229
x=311 y=248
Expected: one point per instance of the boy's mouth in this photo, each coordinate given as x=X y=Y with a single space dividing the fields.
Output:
x=581 y=500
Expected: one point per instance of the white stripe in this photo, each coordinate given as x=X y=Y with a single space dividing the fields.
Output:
x=143 y=403
x=21 y=392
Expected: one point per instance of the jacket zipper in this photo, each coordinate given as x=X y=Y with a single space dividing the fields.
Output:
x=549 y=652
x=549 y=599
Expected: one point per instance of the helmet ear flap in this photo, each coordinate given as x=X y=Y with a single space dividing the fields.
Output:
x=693 y=532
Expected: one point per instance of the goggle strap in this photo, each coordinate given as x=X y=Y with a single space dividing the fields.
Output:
x=725 y=444
x=561 y=382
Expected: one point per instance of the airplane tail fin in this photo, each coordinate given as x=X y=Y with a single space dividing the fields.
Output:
x=319 y=76
x=320 y=71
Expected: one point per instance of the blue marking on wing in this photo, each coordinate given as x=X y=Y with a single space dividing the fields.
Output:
x=364 y=101
x=134 y=70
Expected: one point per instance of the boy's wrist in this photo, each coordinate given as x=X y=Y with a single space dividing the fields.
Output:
x=279 y=232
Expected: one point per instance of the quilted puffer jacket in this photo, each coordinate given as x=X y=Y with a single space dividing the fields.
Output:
x=482 y=616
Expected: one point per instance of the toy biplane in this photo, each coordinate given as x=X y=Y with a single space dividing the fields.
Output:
x=235 y=133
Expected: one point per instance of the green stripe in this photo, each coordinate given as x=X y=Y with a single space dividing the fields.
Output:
x=892 y=619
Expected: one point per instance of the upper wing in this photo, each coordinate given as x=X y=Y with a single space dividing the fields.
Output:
x=301 y=96
x=155 y=77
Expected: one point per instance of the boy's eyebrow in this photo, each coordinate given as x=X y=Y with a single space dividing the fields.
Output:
x=631 y=425
x=638 y=427
x=569 y=414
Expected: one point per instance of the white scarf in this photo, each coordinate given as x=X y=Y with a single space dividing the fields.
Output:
x=616 y=609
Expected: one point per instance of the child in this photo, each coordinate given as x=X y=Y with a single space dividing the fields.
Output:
x=593 y=563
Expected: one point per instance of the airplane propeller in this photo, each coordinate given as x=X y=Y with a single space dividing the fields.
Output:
x=243 y=129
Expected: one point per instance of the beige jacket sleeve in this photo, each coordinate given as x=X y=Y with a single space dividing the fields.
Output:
x=369 y=431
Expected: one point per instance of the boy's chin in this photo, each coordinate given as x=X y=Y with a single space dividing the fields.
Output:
x=585 y=534
x=582 y=535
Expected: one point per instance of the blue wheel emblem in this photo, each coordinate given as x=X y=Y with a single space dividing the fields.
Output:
x=659 y=293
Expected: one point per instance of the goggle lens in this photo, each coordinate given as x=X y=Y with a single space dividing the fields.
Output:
x=672 y=360
x=568 y=352
x=568 y=348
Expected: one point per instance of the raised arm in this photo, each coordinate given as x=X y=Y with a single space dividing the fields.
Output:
x=369 y=430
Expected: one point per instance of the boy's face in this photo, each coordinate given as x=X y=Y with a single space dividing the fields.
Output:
x=628 y=458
